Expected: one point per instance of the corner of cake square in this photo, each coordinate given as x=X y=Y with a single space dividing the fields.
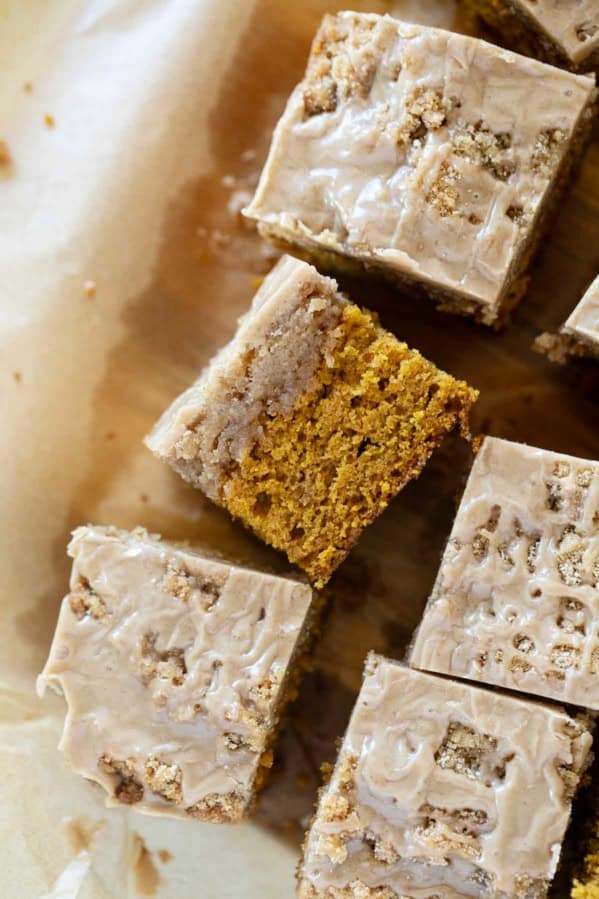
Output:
x=562 y=32
x=579 y=335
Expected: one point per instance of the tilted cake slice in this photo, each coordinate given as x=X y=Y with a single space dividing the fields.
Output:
x=310 y=421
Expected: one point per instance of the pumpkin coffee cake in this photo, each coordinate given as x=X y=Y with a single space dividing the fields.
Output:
x=175 y=668
x=430 y=157
x=308 y=423
x=516 y=603
x=564 y=32
x=443 y=790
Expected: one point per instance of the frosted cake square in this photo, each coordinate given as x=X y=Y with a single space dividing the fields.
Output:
x=175 y=668
x=427 y=156
x=516 y=601
x=579 y=336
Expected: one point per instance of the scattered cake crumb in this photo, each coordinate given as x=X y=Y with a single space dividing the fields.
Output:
x=90 y=289
x=17 y=376
x=28 y=87
x=49 y=120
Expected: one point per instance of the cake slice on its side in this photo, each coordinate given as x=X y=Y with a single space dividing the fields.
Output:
x=310 y=421
x=563 y=32
x=175 y=668
x=432 y=158
x=443 y=789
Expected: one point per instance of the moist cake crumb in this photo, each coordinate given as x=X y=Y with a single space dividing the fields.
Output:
x=310 y=421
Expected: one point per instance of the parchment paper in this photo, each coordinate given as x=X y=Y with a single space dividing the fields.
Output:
x=136 y=129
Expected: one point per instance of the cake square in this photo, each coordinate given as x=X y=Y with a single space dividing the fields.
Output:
x=427 y=156
x=579 y=336
x=443 y=790
x=310 y=421
x=516 y=602
x=565 y=32
x=175 y=668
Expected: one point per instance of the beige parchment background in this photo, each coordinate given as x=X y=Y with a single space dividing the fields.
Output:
x=161 y=114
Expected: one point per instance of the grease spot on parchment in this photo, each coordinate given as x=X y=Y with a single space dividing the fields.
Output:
x=145 y=873
x=80 y=833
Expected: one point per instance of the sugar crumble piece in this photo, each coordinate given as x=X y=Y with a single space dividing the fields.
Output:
x=164 y=779
x=128 y=789
x=84 y=601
